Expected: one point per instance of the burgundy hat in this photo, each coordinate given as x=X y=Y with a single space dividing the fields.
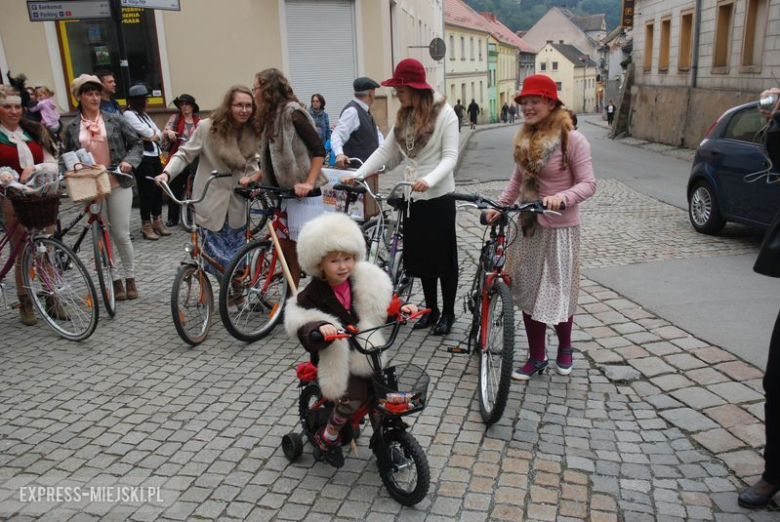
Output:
x=539 y=85
x=408 y=73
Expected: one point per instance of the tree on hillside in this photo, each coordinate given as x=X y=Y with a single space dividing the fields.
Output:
x=521 y=15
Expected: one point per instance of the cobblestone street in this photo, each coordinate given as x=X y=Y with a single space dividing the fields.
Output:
x=653 y=423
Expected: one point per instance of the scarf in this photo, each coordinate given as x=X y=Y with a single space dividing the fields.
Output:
x=18 y=138
x=95 y=129
x=534 y=145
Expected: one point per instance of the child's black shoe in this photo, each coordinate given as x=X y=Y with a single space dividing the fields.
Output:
x=328 y=451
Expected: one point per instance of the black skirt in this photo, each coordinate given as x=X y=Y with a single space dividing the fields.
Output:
x=430 y=241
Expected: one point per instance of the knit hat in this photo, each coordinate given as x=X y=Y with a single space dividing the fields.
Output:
x=331 y=232
x=539 y=85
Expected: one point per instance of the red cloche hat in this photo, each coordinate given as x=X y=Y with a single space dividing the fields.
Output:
x=409 y=73
x=539 y=85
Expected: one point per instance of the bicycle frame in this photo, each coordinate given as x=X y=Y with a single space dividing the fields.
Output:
x=60 y=233
x=491 y=268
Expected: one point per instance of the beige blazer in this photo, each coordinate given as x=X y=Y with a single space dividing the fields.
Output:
x=220 y=199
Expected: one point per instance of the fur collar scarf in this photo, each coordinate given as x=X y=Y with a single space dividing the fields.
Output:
x=371 y=295
x=534 y=145
x=236 y=152
x=420 y=139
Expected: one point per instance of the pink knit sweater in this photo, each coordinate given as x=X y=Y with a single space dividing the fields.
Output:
x=574 y=185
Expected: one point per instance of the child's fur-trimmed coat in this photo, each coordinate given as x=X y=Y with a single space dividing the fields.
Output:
x=317 y=304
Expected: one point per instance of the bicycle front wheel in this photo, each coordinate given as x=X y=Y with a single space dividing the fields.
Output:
x=104 y=266
x=251 y=299
x=60 y=288
x=403 y=467
x=192 y=304
x=258 y=213
x=496 y=354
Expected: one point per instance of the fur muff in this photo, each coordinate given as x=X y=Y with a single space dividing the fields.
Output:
x=286 y=161
x=423 y=136
x=236 y=152
x=534 y=145
x=332 y=232
x=371 y=295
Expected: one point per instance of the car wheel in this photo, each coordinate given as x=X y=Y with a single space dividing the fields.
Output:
x=703 y=209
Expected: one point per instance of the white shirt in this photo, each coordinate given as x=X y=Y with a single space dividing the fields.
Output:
x=146 y=128
x=349 y=123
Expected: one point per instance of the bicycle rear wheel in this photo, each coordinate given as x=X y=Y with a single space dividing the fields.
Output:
x=60 y=288
x=495 y=363
x=251 y=299
x=258 y=213
x=104 y=266
x=192 y=304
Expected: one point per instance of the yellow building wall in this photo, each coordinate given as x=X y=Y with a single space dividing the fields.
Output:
x=462 y=73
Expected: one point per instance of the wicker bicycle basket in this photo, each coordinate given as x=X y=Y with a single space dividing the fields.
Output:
x=36 y=212
x=407 y=379
x=87 y=183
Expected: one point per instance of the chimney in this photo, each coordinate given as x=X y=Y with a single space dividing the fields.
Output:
x=549 y=41
x=560 y=41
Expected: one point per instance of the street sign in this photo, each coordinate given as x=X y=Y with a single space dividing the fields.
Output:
x=437 y=48
x=166 y=5
x=627 y=14
x=68 y=10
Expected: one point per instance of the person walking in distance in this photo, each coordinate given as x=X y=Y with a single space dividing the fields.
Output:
x=553 y=164
x=356 y=134
x=460 y=111
x=761 y=493
x=610 y=113
x=512 y=113
x=473 y=113
x=107 y=102
x=320 y=117
x=426 y=135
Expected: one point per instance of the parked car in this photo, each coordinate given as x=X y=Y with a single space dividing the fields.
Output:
x=726 y=183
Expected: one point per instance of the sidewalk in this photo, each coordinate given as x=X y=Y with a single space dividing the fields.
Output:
x=660 y=148
x=653 y=424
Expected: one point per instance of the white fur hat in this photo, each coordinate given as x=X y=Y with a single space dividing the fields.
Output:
x=331 y=232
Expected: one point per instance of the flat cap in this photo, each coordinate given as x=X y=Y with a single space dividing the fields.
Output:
x=364 y=84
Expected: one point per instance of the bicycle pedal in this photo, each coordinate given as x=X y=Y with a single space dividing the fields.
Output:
x=458 y=350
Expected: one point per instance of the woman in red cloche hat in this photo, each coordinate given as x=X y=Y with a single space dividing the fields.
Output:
x=426 y=134
x=553 y=164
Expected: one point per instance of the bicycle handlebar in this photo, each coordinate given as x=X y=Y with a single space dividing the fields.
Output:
x=167 y=189
x=483 y=203
x=255 y=190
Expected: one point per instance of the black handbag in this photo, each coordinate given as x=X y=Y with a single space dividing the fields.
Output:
x=768 y=261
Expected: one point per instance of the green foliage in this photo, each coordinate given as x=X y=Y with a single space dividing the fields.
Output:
x=521 y=15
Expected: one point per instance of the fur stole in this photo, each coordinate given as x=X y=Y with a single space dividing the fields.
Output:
x=39 y=134
x=371 y=295
x=236 y=152
x=421 y=137
x=534 y=145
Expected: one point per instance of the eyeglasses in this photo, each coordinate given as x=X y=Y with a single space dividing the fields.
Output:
x=242 y=106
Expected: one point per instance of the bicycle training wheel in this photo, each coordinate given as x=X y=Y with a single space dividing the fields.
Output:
x=495 y=363
x=251 y=300
x=192 y=304
x=403 y=467
x=60 y=288
x=104 y=266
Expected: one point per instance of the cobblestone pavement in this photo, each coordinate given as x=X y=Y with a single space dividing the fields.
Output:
x=653 y=424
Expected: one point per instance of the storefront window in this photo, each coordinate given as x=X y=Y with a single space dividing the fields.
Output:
x=91 y=45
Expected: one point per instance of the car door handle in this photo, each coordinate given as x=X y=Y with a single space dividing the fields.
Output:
x=715 y=152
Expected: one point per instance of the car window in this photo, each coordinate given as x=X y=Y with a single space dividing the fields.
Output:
x=746 y=125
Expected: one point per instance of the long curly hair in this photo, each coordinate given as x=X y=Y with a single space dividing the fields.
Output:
x=275 y=94
x=222 y=119
x=420 y=111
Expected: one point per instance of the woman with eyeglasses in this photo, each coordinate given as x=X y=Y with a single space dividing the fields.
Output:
x=291 y=155
x=228 y=141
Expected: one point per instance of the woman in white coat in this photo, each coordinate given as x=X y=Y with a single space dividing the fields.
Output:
x=426 y=133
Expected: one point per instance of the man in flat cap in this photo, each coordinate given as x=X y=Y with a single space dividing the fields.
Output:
x=356 y=135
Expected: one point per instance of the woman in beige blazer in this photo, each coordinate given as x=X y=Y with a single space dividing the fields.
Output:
x=226 y=142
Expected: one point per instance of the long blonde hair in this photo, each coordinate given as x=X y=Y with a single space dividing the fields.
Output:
x=420 y=111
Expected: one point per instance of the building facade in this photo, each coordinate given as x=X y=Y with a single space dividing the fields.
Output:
x=698 y=64
x=573 y=73
x=208 y=46
x=583 y=32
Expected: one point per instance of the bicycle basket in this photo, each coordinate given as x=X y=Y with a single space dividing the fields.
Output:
x=36 y=211
x=405 y=392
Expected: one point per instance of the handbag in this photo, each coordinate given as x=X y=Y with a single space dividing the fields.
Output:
x=87 y=183
x=768 y=260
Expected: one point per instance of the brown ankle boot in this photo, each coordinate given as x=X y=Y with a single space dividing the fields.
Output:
x=159 y=227
x=119 y=290
x=148 y=232
x=132 y=291
x=26 y=311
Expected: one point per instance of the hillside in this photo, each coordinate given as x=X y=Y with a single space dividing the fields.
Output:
x=523 y=14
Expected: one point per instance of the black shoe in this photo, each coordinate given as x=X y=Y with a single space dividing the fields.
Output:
x=758 y=495
x=427 y=320
x=444 y=325
x=328 y=451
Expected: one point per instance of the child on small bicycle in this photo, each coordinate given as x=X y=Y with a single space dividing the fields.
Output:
x=345 y=290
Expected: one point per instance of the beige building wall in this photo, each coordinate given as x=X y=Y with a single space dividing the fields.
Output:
x=507 y=74
x=463 y=73
x=578 y=84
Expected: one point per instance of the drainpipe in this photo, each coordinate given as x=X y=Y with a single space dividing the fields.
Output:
x=696 y=37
